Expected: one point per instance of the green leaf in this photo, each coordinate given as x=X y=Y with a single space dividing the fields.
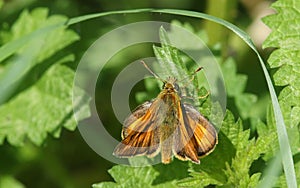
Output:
x=9 y=181
x=235 y=87
x=254 y=180
x=178 y=168
x=170 y=63
x=37 y=104
x=126 y=176
x=231 y=128
x=286 y=60
x=43 y=108
x=34 y=38
x=139 y=176
x=168 y=57
x=267 y=129
x=247 y=151
x=285 y=37
x=198 y=179
x=178 y=65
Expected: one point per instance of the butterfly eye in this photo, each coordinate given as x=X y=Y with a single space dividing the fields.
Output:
x=176 y=86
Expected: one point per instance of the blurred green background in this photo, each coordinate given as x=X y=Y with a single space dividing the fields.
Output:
x=68 y=161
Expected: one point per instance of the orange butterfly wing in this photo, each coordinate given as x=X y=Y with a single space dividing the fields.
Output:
x=195 y=136
x=139 y=134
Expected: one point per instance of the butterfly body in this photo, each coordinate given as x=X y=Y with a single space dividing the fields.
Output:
x=169 y=126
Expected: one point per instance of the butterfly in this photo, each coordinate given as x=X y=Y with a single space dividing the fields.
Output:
x=169 y=126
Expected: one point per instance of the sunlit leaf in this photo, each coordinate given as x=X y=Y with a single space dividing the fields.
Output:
x=41 y=109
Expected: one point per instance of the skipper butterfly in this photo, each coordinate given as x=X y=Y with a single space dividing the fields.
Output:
x=169 y=126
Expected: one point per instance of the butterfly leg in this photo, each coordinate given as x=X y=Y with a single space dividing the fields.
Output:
x=204 y=96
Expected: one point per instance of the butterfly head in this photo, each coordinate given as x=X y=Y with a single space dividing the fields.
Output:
x=170 y=85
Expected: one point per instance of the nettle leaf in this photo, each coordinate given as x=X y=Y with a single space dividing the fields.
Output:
x=31 y=47
x=168 y=57
x=285 y=59
x=247 y=151
x=198 y=179
x=43 y=108
x=36 y=89
x=127 y=176
x=9 y=181
x=268 y=129
x=231 y=128
x=235 y=87
x=285 y=34
x=155 y=176
x=170 y=62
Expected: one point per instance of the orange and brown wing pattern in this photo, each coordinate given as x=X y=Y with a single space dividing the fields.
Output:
x=195 y=136
x=139 y=134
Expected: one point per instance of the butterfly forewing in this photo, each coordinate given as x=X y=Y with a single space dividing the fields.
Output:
x=140 y=132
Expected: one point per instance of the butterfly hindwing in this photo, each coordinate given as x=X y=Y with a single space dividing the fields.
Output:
x=195 y=136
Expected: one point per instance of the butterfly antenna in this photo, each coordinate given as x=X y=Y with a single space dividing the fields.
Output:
x=155 y=75
x=195 y=72
x=193 y=75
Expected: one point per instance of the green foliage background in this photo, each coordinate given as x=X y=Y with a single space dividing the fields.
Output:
x=40 y=145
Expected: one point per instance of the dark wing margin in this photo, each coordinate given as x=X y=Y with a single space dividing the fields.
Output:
x=195 y=136
x=139 y=134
